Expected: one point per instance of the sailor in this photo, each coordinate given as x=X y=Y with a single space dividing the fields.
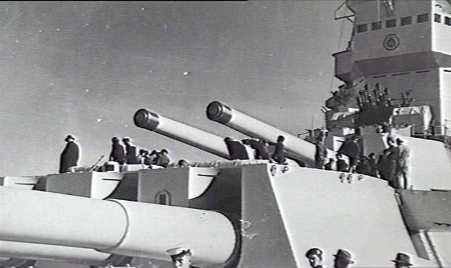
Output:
x=382 y=165
x=403 y=163
x=181 y=257
x=402 y=261
x=143 y=155
x=260 y=147
x=342 y=166
x=372 y=162
x=315 y=257
x=151 y=158
x=117 y=151
x=279 y=151
x=131 y=156
x=342 y=259
x=363 y=166
x=330 y=164
x=392 y=154
x=182 y=163
x=70 y=154
x=351 y=148
x=162 y=158
x=236 y=149
x=320 y=154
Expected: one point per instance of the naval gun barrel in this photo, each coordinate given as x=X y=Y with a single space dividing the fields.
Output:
x=33 y=251
x=115 y=226
x=200 y=139
x=296 y=148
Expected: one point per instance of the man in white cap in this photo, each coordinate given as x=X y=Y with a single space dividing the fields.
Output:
x=181 y=257
x=315 y=257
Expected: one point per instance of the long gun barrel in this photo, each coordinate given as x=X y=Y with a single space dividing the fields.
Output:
x=296 y=148
x=192 y=136
x=115 y=226
x=35 y=251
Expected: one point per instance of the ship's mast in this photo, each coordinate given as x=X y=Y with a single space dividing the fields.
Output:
x=402 y=45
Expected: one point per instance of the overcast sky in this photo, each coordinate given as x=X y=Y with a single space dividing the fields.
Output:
x=85 y=68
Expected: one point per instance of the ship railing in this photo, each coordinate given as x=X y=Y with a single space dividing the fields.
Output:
x=433 y=132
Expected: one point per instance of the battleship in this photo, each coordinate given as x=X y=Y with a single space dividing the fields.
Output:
x=396 y=72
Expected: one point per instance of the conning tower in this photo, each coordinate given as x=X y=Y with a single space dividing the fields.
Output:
x=403 y=46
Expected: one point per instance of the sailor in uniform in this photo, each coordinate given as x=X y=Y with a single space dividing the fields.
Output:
x=131 y=151
x=117 y=151
x=279 y=151
x=181 y=257
x=315 y=257
x=162 y=158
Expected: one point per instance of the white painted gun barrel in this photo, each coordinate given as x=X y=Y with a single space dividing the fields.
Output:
x=200 y=139
x=115 y=226
x=33 y=251
x=295 y=147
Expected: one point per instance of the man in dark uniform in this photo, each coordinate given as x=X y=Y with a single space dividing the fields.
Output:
x=342 y=259
x=117 y=151
x=315 y=257
x=261 y=151
x=351 y=148
x=320 y=154
x=279 y=151
x=363 y=167
x=342 y=166
x=69 y=156
x=382 y=166
x=162 y=158
x=151 y=158
x=392 y=153
x=236 y=149
x=402 y=261
x=131 y=154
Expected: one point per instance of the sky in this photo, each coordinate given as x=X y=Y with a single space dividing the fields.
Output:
x=85 y=68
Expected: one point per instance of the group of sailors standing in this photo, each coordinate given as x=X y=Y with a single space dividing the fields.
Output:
x=122 y=154
x=392 y=165
x=128 y=153
x=131 y=155
x=237 y=149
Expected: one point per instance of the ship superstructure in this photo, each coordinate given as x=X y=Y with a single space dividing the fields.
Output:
x=402 y=46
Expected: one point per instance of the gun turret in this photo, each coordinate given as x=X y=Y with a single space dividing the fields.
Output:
x=296 y=148
x=115 y=226
x=192 y=136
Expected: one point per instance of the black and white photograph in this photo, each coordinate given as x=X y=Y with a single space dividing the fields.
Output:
x=225 y=134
